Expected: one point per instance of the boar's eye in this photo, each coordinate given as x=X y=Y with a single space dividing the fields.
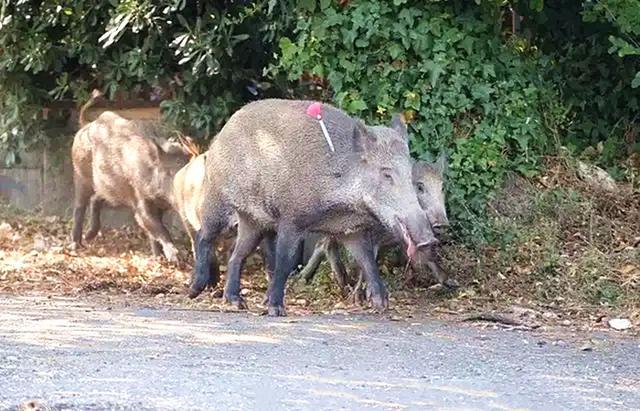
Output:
x=420 y=186
x=388 y=174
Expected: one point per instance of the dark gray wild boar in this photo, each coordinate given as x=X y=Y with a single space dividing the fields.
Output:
x=188 y=190
x=126 y=163
x=428 y=184
x=272 y=166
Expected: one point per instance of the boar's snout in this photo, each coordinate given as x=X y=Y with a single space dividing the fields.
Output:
x=415 y=233
x=440 y=224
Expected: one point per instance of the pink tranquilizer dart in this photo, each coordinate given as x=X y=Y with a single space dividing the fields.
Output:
x=315 y=111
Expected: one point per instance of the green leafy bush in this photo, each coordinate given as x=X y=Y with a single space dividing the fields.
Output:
x=200 y=56
x=593 y=53
x=467 y=90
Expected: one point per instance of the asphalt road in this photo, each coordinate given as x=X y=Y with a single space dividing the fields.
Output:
x=72 y=355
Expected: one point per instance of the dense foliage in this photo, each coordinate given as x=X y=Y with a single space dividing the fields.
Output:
x=593 y=56
x=493 y=89
x=206 y=57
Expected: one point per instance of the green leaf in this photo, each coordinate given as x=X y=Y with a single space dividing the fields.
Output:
x=357 y=106
x=395 y=50
x=435 y=70
x=536 y=5
x=272 y=5
x=324 y=4
x=636 y=81
x=309 y=5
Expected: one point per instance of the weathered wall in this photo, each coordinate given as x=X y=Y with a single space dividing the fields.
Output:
x=49 y=189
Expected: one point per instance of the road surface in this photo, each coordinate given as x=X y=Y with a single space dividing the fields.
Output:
x=78 y=356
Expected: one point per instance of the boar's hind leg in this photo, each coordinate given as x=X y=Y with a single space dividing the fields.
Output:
x=205 y=268
x=246 y=242
x=287 y=248
x=151 y=221
x=156 y=247
x=83 y=193
x=268 y=248
x=309 y=271
x=94 y=217
x=364 y=251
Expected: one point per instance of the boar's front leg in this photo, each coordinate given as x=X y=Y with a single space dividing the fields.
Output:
x=358 y=295
x=432 y=261
x=287 y=252
x=95 y=209
x=151 y=221
x=246 y=242
x=364 y=251
x=339 y=272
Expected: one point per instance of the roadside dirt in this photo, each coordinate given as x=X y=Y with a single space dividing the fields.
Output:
x=117 y=270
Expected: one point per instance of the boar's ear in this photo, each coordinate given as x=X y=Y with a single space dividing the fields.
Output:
x=399 y=125
x=441 y=164
x=361 y=138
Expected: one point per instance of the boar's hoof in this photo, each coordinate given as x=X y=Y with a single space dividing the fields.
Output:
x=91 y=234
x=196 y=288
x=276 y=311
x=171 y=254
x=451 y=284
x=379 y=302
x=236 y=301
x=358 y=296
x=75 y=246
x=193 y=293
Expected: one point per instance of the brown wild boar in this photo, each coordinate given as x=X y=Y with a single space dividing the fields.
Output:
x=187 y=194
x=126 y=163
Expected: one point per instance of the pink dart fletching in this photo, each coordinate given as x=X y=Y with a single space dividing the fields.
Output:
x=315 y=110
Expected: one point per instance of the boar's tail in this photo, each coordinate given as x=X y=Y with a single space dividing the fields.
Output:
x=189 y=145
x=82 y=118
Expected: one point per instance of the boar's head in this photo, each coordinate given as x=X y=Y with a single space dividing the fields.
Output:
x=428 y=180
x=385 y=171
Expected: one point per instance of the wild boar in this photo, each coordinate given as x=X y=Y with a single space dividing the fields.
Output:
x=428 y=184
x=272 y=165
x=187 y=193
x=130 y=163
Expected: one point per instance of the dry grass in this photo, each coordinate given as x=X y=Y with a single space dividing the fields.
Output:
x=561 y=245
